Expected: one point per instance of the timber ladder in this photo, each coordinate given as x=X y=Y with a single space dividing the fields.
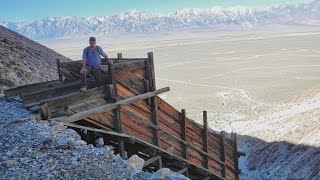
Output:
x=127 y=112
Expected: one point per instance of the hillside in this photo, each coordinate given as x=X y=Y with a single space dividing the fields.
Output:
x=23 y=61
x=288 y=146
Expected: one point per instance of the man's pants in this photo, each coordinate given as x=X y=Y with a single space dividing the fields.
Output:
x=96 y=73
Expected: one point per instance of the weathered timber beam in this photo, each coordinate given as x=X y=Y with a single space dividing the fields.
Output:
x=37 y=96
x=31 y=87
x=205 y=136
x=97 y=110
x=181 y=171
x=236 y=162
x=129 y=64
x=58 y=67
x=131 y=138
x=187 y=144
x=128 y=88
x=112 y=96
x=200 y=169
x=34 y=98
x=183 y=125
x=98 y=124
x=151 y=160
x=154 y=102
x=121 y=60
x=61 y=102
x=223 y=153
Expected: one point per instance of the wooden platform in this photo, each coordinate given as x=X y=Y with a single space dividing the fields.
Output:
x=127 y=112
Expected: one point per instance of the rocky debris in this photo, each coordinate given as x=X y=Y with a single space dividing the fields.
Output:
x=99 y=142
x=41 y=150
x=23 y=61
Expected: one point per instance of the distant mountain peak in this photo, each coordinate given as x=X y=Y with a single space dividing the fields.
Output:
x=187 y=18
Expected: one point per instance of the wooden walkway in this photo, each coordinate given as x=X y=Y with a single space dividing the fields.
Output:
x=125 y=110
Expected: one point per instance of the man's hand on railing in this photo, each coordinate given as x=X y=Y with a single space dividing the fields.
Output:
x=83 y=70
x=109 y=61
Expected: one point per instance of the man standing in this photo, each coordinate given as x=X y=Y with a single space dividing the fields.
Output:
x=91 y=63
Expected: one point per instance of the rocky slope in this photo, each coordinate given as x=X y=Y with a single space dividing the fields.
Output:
x=23 y=61
x=288 y=143
x=41 y=150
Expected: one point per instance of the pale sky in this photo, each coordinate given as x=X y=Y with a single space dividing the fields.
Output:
x=27 y=10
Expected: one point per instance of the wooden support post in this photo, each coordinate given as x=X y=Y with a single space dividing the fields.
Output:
x=116 y=111
x=119 y=56
x=223 y=153
x=58 y=67
x=148 y=79
x=236 y=156
x=205 y=137
x=154 y=102
x=154 y=111
x=183 y=133
x=152 y=73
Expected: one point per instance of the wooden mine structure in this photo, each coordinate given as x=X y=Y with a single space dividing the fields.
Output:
x=125 y=110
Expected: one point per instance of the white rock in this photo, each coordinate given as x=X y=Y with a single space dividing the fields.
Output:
x=161 y=174
x=99 y=142
x=134 y=162
x=79 y=143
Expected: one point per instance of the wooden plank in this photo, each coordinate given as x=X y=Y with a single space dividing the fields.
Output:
x=88 y=105
x=104 y=119
x=58 y=67
x=195 y=167
x=37 y=96
x=205 y=137
x=182 y=171
x=110 y=106
x=62 y=102
x=113 y=99
x=168 y=108
x=31 y=87
x=152 y=73
x=236 y=156
x=166 y=125
x=183 y=132
x=151 y=160
x=132 y=81
x=119 y=56
x=67 y=73
x=129 y=64
x=223 y=158
x=96 y=130
x=98 y=124
x=154 y=103
x=132 y=90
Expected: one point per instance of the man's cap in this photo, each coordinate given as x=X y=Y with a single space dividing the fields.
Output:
x=92 y=39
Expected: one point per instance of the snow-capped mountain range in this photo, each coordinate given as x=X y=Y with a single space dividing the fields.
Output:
x=137 y=21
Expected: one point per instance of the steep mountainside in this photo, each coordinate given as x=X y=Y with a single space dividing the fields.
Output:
x=289 y=145
x=23 y=61
x=136 y=21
